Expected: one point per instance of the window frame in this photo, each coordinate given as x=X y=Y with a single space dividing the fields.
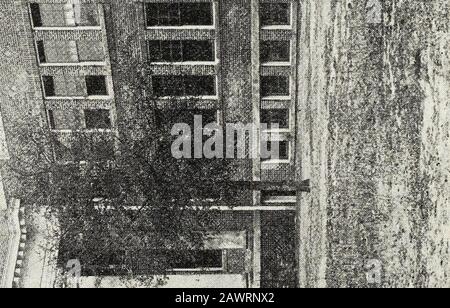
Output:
x=280 y=129
x=277 y=63
x=277 y=97
x=184 y=96
x=64 y=64
x=280 y=26
x=205 y=269
x=209 y=27
x=213 y=43
x=275 y=137
x=62 y=28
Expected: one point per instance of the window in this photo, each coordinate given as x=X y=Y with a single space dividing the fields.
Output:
x=63 y=15
x=181 y=51
x=41 y=52
x=283 y=147
x=164 y=86
x=51 y=119
x=275 y=116
x=275 y=86
x=179 y=14
x=275 y=14
x=275 y=51
x=279 y=196
x=49 y=86
x=69 y=51
x=36 y=15
x=197 y=259
x=96 y=86
x=97 y=119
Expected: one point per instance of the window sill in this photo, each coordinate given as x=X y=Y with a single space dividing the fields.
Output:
x=181 y=28
x=68 y=28
x=272 y=164
x=167 y=98
x=89 y=131
x=276 y=98
x=55 y=98
x=185 y=63
x=275 y=64
x=196 y=270
x=67 y=64
x=277 y=27
x=277 y=131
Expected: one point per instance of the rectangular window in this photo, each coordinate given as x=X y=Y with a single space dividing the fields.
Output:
x=197 y=259
x=275 y=86
x=275 y=116
x=51 y=119
x=283 y=147
x=275 y=51
x=184 y=85
x=64 y=15
x=179 y=14
x=97 y=119
x=181 y=51
x=270 y=196
x=41 y=51
x=49 y=86
x=96 y=86
x=36 y=15
x=275 y=14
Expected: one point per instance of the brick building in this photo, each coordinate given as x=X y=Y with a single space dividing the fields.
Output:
x=367 y=106
x=237 y=58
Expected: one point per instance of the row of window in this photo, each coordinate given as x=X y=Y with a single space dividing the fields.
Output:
x=166 y=86
x=204 y=51
x=93 y=119
x=70 y=51
x=64 y=15
x=163 y=86
x=74 y=86
x=157 y=14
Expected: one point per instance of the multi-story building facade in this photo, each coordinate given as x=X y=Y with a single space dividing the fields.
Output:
x=238 y=59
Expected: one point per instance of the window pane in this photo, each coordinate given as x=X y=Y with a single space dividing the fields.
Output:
x=283 y=147
x=277 y=116
x=275 y=86
x=96 y=85
x=184 y=85
x=275 y=51
x=88 y=15
x=97 y=119
x=199 y=14
x=198 y=51
x=91 y=51
x=196 y=259
x=273 y=14
x=49 y=86
x=41 y=51
x=36 y=14
x=154 y=51
x=179 y=14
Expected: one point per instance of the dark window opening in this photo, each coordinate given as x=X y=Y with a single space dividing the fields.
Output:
x=184 y=85
x=49 y=86
x=275 y=51
x=199 y=259
x=275 y=14
x=275 y=86
x=97 y=119
x=275 y=116
x=51 y=119
x=96 y=86
x=36 y=14
x=41 y=51
x=283 y=147
x=179 y=14
x=181 y=51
